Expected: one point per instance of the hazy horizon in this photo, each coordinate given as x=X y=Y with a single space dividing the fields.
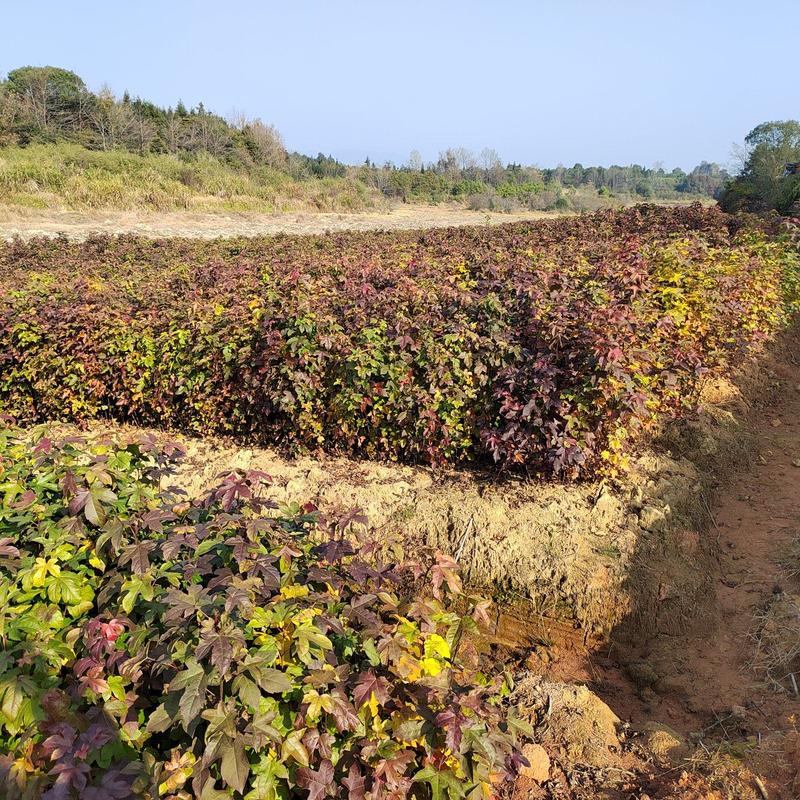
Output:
x=541 y=83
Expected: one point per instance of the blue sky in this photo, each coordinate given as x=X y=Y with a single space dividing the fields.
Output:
x=597 y=82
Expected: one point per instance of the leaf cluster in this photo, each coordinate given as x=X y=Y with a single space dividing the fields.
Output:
x=159 y=647
x=544 y=346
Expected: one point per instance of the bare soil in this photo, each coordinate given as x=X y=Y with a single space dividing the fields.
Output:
x=723 y=693
x=28 y=223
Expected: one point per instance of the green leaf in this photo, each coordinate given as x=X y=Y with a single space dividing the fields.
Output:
x=371 y=652
x=194 y=682
x=268 y=781
x=293 y=748
x=159 y=720
x=116 y=683
x=518 y=725
x=66 y=588
x=444 y=784
x=272 y=681
x=248 y=692
x=235 y=767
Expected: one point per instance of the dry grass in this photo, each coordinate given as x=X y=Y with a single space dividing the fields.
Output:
x=70 y=177
x=776 y=639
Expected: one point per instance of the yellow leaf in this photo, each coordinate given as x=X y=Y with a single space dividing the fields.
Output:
x=294 y=591
x=435 y=645
x=430 y=666
x=373 y=704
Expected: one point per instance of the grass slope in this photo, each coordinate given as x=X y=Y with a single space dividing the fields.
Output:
x=71 y=177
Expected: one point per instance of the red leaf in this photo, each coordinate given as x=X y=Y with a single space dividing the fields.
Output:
x=319 y=783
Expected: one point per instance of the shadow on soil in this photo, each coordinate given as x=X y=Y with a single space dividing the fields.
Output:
x=692 y=694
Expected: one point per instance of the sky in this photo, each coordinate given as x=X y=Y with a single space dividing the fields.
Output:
x=546 y=83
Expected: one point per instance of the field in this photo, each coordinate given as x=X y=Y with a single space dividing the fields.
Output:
x=24 y=223
x=170 y=633
x=546 y=347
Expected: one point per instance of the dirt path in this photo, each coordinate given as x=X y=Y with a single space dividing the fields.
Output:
x=733 y=688
x=80 y=224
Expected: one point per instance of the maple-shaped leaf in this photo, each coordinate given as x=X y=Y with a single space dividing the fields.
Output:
x=138 y=555
x=268 y=781
x=235 y=767
x=327 y=676
x=343 y=713
x=221 y=721
x=232 y=488
x=74 y=526
x=369 y=684
x=318 y=783
x=445 y=571
x=239 y=599
x=354 y=783
x=452 y=721
x=355 y=516
x=193 y=681
x=334 y=550
x=241 y=548
x=182 y=605
x=393 y=769
x=444 y=784
x=294 y=748
x=154 y=520
x=113 y=534
x=264 y=567
x=262 y=731
x=222 y=640
x=177 y=541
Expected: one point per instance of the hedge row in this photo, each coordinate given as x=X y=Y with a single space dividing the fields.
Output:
x=159 y=648
x=545 y=346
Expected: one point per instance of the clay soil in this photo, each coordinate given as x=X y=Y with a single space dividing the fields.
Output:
x=726 y=690
x=28 y=223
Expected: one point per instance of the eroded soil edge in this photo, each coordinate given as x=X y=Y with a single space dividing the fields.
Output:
x=701 y=704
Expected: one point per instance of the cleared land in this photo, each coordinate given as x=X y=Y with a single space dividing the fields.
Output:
x=28 y=223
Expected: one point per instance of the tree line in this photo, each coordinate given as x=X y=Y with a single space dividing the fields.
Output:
x=460 y=172
x=50 y=104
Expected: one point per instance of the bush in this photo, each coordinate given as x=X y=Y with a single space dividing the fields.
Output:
x=154 y=644
x=466 y=188
x=544 y=346
x=70 y=176
x=490 y=202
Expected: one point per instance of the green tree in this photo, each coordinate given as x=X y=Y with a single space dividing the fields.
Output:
x=762 y=186
x=53 y=100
